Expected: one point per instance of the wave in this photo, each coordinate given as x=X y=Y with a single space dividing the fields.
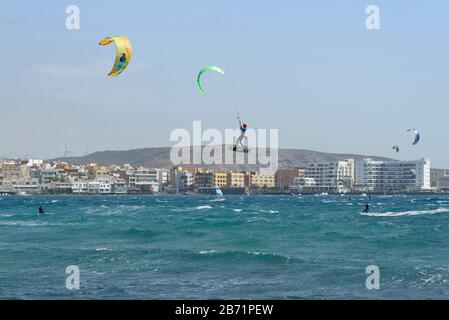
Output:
x=207 y=251
x=203 y=207
x=28 y=224
x=102 y=213
x=104 y=210
x=257 y=219
x=237 y=210
x=406 y=213
x=144 y=233
x=269 y=211
x=241 y=255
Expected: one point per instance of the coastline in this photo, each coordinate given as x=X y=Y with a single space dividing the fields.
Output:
x=195 y=194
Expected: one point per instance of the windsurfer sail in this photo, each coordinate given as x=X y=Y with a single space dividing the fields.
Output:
x=219 y=193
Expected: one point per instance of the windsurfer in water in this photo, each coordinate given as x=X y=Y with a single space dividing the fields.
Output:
x=366 y=208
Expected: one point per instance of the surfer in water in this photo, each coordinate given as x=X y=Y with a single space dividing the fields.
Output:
x=243 y=128
x=366 y=208
x=41 y=209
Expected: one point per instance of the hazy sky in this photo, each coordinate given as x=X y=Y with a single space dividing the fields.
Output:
x=309 y=68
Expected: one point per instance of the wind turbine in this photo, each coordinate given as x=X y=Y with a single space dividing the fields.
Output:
x=66 y=151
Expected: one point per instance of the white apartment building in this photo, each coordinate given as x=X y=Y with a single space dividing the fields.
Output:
x=145 y=178
x=392 y=176
x=49 y=175
x=80 y=186
x=27 y=185
x=104 y=186
x=301 y=183
x=35 y=162
x=336 y=176
x=119 y=186
x=162 y=177
x=443 y=183
x=92 y=187
x=184 y=180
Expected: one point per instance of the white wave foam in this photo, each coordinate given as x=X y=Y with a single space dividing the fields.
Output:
x=269 y=211
x=203 y=207
x=28 y=224
x=207 y=251
x=18 y=223
x=98 y=273
x=405 y=213
x=237 y=210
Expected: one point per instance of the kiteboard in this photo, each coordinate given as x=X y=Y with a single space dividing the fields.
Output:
x=240 y=149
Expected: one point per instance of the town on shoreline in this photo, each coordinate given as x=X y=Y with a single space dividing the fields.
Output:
x=366 y=176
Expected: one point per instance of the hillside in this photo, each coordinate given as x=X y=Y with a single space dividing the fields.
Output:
x=160 y=158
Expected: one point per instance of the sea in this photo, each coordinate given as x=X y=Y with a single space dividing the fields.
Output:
x=241 y=247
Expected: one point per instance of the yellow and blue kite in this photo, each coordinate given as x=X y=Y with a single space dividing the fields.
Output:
x=123 y=53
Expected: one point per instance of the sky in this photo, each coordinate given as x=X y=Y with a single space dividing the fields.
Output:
x=308 y=68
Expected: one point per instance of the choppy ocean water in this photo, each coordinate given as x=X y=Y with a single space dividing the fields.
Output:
x=195 y=247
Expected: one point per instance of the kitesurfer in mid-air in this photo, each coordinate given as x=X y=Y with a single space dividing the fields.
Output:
x=243 y=128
